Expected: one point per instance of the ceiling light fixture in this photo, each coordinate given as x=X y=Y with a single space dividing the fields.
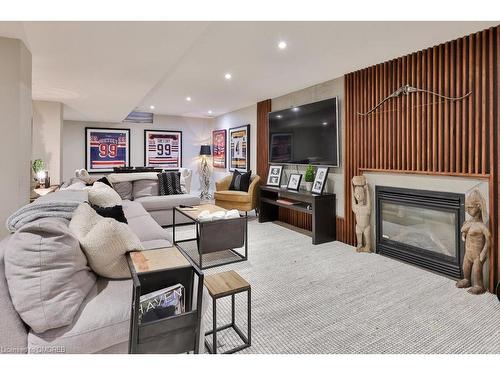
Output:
x=295 y=109
x=151 y=107
x=228 y=76
x=188 y=98
x=282 y=45
x=209 y=111
x=325 y=123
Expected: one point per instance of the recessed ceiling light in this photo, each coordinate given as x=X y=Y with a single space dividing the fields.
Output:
x=295 y=109
x=278 y=116
x=227 y=76
x=188 y=98
x=210 y=112
x=282 y=45
x=151 y=107
x=325 y=123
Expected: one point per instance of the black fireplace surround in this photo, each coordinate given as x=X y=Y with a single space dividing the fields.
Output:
x=421 y=227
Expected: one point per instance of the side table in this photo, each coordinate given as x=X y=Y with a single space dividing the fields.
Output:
x=227 y=284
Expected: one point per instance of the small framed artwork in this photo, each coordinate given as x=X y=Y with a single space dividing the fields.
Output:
x=274 y=175
x=106 y=149
x=294 y=181
x=239 y=148
x=162 y=148
x=219 y=148
x=320 y=180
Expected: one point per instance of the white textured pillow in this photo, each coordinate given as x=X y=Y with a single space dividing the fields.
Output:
x=103 y=195
x=105 y=241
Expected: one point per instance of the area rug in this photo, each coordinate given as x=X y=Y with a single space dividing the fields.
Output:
x=329 y=299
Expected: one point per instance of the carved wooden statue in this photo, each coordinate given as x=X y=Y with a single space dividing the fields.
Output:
x=477 y=243
x=361 y=206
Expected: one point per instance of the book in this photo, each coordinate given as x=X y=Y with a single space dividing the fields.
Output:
x=287 y=202
x=162 y=303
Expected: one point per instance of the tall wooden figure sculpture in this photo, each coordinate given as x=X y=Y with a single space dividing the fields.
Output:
x=362 y=206
x=477 y=243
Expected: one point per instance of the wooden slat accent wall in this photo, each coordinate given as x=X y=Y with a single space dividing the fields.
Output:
x=263 y=109
x=421 y=133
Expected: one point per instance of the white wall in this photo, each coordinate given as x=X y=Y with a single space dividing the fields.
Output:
x=47 y=137
x=15 y=127
x=243 y=116
x=326 y=90
x=195 y=132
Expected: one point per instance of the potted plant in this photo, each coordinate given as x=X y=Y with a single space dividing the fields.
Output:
x=39 y=169
x=309 y=177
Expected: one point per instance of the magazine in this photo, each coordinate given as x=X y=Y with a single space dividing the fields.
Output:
x=162 y=304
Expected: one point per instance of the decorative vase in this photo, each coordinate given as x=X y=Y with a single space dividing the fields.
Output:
x=309 y=186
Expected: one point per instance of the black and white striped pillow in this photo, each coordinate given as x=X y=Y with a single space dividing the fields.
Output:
x=169 y=183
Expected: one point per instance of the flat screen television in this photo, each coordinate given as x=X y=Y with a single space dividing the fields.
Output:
x=307 y=134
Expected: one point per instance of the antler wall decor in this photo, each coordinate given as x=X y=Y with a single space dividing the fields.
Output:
x=406 y=90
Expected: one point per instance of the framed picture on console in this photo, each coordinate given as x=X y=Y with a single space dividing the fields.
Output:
x=163 y=148
x=294 y=181
x=239 y=148
x=274 y=175
x=320 y=180
x=106 y=149
x=219 y=148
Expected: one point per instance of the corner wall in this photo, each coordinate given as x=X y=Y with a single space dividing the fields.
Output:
x=47 y=137
x=15 y=127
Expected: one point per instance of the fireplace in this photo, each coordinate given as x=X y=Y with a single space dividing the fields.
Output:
x=421 y=227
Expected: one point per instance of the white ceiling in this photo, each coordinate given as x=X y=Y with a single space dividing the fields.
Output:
x=103 y=70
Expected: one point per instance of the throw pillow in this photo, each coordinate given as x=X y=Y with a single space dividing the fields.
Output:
x=115 y=212
x=104 y=196
x=47 y=274
x=144 y=188
x=105 y=181
x=169 y=183
x=240 y=181
x=105 y=241
x=124 y=189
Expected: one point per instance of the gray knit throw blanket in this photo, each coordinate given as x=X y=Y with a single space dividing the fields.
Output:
x=59 y=204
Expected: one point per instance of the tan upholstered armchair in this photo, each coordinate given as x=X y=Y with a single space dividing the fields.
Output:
x=239 y=200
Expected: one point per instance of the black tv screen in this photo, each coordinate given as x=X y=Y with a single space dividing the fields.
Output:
x=306 y=134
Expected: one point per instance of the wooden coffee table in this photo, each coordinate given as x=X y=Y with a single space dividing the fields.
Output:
x=215 y=241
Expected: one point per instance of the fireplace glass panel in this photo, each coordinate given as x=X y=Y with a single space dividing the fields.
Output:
x=420 y=227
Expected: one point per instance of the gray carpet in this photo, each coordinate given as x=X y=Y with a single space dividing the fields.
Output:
x=330 y=299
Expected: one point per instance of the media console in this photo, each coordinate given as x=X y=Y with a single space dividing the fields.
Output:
x=321 y=207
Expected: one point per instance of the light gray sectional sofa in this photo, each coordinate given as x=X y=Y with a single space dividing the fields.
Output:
x=101 y=324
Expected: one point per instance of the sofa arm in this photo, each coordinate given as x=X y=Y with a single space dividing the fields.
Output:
x=223 y=184
x=253 y=190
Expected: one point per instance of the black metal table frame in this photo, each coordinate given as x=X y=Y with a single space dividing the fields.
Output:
x=247 y=340
x=241 y=257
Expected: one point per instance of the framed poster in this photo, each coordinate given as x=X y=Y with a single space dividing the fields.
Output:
x=219 y=148
x=319 y=180
x=274 y=175
x=239 y=148
x=281 y=148
x=294 y=182
x=162 y=148
x=106 y=149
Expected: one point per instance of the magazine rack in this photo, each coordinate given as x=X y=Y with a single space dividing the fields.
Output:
x=153 y=270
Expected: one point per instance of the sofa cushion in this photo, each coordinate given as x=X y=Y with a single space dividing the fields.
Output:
x=102 y=321
x=233 y=196
x=167 y=202
x=115 y=212
x=144 y=188
x=103 y=195
x=170 y=183
x=14 y=334
x=105 y=241
x=150 y=233
x=124 y=189
x=47 y=273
